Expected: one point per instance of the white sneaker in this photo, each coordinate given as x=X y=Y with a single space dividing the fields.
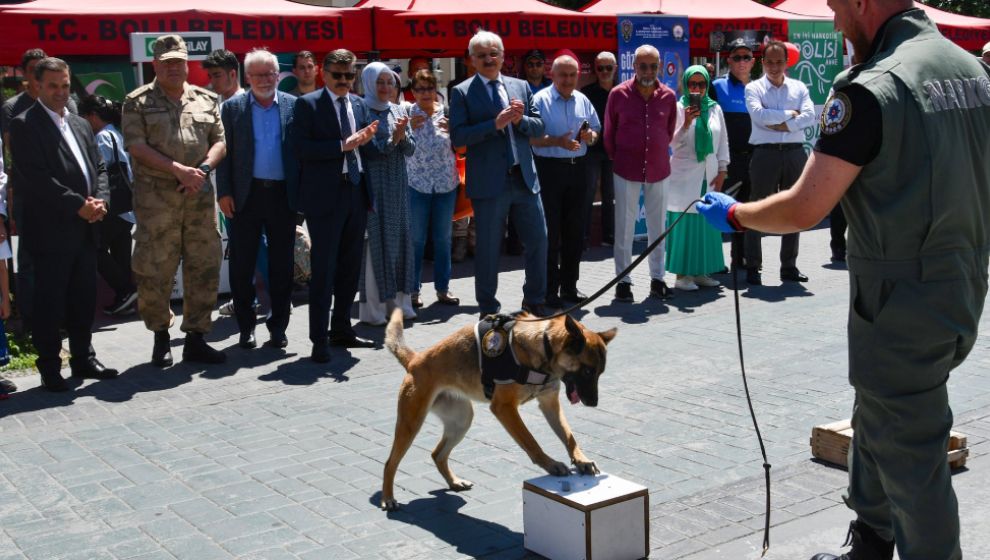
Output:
x=685 y=283
x=706 y=281
x=227 y=309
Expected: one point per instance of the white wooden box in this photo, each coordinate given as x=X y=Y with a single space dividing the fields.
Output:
x=577 y=517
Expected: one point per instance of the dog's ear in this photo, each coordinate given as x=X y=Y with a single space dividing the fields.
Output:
x=608 y=335
x=575 y=336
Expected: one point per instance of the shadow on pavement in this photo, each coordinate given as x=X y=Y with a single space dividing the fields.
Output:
x=472 y=537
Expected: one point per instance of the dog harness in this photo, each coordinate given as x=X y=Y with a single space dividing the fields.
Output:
x=493 y=335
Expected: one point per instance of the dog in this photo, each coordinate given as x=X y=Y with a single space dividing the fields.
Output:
x=445 y=378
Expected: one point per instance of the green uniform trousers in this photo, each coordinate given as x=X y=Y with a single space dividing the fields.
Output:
x=174 y=227
x=905 y=336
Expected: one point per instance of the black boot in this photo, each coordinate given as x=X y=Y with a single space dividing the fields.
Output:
x=197 y=350
x=866 y=545
x=161 y=354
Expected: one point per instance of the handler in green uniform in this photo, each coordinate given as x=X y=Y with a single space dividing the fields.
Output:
x=904 y=144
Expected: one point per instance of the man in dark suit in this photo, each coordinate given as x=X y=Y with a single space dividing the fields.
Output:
x=330 y=125
x=257 y=185
x=493 y=116
x=68 y=192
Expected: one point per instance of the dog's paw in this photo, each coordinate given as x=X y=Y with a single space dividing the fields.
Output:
x=586 y=467
x=389 y=504
x=557 y=468
x=460 y=485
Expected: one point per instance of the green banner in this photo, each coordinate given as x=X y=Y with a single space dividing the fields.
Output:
x=821 y=56
x=111 y=79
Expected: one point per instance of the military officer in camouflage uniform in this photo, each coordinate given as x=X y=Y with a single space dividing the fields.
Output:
x=903 y=145
x=175 y=137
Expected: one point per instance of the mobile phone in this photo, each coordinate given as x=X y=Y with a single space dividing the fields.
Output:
x=695 y=100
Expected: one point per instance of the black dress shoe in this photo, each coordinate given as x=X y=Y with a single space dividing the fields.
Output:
x=278 y=340
x=321 y=353
x=792 y=275
x=554 y=302
x=161 y=354
x=53 y=382
x=197 y=350
x=838 y=256
x=350 y=341
x=753 y=277
x=574 y=296
x=623 y=291
x=659 y=289
x=92 y=369
x=248 y=341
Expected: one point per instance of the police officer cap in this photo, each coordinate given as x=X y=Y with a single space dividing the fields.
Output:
x=168 y=47
x=738 y=43
x=535 y=53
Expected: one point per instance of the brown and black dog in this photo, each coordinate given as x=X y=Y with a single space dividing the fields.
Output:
x=445 y=379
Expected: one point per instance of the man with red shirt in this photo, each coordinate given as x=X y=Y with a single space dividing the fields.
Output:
x=640 y=117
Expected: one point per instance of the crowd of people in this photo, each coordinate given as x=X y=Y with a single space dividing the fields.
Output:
x=374 y=178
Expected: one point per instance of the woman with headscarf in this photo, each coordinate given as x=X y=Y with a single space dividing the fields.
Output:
x=387 y=277
x=698 y=165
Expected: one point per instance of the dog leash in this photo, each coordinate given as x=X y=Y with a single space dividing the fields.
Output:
x=742 y=364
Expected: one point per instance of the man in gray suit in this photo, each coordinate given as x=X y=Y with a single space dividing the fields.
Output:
x=493 y=116
x=256 y=190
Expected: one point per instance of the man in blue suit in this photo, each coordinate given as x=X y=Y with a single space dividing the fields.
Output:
x=256 y=188
x=493 y=116
x=330 y=125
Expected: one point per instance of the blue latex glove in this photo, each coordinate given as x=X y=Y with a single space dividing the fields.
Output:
x=715 y=208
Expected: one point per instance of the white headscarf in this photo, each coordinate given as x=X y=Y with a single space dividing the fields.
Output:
x=369 y=76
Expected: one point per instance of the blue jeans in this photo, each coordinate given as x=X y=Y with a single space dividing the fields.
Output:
x=433 y=213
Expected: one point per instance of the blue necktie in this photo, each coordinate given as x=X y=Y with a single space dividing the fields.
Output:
x=353 y=173
x=499 y=106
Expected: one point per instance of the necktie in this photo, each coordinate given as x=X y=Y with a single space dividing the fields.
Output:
x=353 y=173
x=499 y=106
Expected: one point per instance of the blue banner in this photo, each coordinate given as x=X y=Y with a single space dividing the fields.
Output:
x=669 y=34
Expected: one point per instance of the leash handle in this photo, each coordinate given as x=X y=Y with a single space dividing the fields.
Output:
x=619 y=276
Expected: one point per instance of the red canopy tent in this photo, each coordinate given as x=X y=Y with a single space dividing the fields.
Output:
x=443 y=28
x=704 y=16
x=101 y=27
x=970 y=33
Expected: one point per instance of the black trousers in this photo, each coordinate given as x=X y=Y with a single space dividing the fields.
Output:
x=738 y=172
x=65 y=295
x=837 y=229
x=113 y=259
x=338 y=241
x=266 y=211
x=600 y=178
x=563 y=189
x=772 y=171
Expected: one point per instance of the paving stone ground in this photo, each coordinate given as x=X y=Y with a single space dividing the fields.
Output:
x=271 y=456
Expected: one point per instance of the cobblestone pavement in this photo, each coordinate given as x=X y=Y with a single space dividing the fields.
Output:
x=271 y=456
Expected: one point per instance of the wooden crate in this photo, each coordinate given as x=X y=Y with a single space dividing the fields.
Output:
x=830 y=442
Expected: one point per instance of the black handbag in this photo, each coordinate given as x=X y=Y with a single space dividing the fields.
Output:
x=120 y=185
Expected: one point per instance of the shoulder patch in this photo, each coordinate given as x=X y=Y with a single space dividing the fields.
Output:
x=836 y=115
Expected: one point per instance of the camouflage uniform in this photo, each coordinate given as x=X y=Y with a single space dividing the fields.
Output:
x=172 y=225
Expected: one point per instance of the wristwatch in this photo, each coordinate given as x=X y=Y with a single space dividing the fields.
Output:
x=205 y=168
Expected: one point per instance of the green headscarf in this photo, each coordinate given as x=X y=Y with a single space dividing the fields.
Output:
x=703 y=144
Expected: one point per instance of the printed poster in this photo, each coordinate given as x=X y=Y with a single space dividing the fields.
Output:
x=821 y=60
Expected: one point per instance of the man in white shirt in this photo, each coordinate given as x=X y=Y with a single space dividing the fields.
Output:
x=780 y=108
x=56 y=154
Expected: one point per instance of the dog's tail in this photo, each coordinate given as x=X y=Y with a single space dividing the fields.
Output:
x=395 y=341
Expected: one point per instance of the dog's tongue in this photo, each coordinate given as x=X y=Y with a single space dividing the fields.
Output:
x=573 y=396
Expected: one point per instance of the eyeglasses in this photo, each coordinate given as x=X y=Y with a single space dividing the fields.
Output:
x=741 y=58
x=260 y=75
x=605 y=68
x=343 y=75
x=388 y=83
x=643 y=67
x=483 y=55
x=535 y=64
x=697 y=85
x=426 y=89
